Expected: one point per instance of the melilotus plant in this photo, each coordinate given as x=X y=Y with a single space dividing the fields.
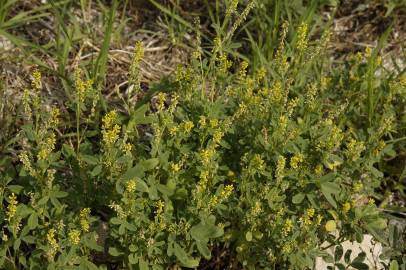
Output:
x=266 y=167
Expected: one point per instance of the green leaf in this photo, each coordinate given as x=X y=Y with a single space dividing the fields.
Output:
x=133 y=259
x=360 y=258
x=139 y=118
x=329 y=188
x=248 y=236
x=15 y=188
x=116 y=221
x=150 y=164
x=338 y=253
x=203 y=249
x=33 y=221
x=394 y=265
x=96 y=171
x=143 y=264
x=92 y=160
x=340 y=266
x=183 y=257
x=298 y=198
x=360 y=265
x=375 y=172
x=115 y=252
x=203 y=231
x=347 y=256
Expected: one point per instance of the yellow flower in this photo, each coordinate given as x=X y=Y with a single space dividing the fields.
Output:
x=36 y=82
x=331 y=226
x=207 y=154
x=131 y=186
x=12 y=207
x=276 y=92
x=217 y=136
x=85 y=212
x=159 y=207
x=173 y=130
x=226 y=192
x=214 y=123
x=302 y=37
x=287 y=248
x=357 y=187
x=188 y=126
x=47 y=147
x=127 y=147
x=318 y=170
x=242 y=73
x=261 y=74
x=84 y=219
x=74 y=236
x=308 y=216
x=109 y=119
x=225 y=64
x=354 y=149
x=161 y=101
x=51 y=237
x=54 y=121
x=175 y=167
x=280 y=167
x=346 y=207
x=296 y=160
x=111 y=136
x=202 y=121
x=287 y=227
x=232 y=7
x=319 y=218
x=138 y=52
x=84 y=224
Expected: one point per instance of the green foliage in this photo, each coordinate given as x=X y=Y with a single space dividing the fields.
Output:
x=264 y=164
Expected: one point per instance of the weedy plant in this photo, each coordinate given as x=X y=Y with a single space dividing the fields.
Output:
x=266 y=166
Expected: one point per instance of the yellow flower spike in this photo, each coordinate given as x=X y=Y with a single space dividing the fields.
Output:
x=296 y=160
x=188 y=126
x=277 y=92
x=232 y=7
x=173 y=130
x=346 y=207
x=74 y=236
x=242 y=73
x=159 y=207
x=302 y=37
x=357 y=187
x=330 y=226
x=127 y=148
x=319 y=218
x=318 y=170
x=202 y=121
x=109 y=119
x=225 y=64
x=139 y=52
x=214 y=123
x=287 y=227
x=36 y=82
x=217 y=136
x=368 y=52
x=280 y=167
x=175 y=167
x=131 y=186
x=161 y=101
x=12 y=207
x=261 y=74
